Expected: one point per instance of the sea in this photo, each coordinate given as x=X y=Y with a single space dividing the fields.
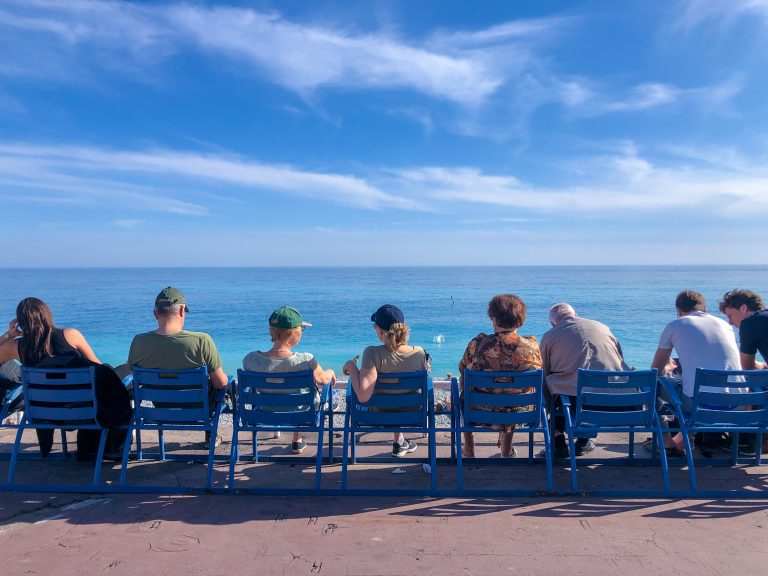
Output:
x=444 y=306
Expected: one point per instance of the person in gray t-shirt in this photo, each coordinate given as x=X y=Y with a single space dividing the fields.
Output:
x=285 y=330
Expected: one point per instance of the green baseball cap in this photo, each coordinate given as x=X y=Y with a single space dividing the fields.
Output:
x=286 y=317
x=170 y=296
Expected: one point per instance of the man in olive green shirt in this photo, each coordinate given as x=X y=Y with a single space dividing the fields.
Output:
x=170 y=347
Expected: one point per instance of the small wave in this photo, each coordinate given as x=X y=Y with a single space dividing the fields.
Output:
x=439 y=339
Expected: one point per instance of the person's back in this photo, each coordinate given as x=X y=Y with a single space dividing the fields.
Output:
x=575 y=343
x=701 y=341
x=180 y=351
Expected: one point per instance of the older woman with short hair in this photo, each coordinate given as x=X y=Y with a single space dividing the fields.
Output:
x=502 y=351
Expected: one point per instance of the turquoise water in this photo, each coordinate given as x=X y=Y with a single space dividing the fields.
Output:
x=445 y=307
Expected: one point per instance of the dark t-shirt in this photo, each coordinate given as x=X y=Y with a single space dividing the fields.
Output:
x=753 y=334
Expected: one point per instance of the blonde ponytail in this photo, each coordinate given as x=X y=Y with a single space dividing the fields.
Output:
x=397 y=336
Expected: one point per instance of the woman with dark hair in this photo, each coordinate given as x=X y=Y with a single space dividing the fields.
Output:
x=393 y=355
x=503 y=351
x=34 y=340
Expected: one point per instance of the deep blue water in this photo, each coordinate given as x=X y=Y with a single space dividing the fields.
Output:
x=233 y=304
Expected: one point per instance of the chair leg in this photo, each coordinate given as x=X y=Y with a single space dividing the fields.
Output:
x=126 y=454
x=344 y=459
x=459 y=462
x=64 y=447
x=330 y=438
x=319 y=455
x=14 y=455
x=161 y=441
x=631 y=446
x=530 y=446
x=139 y=451
x=211 y=454
x=572 y=454
x=354 y=447
x=758 y=449
x=433 y=459
x=688 y=457
x=664 y=462
x=234 y=456
x=100 y=457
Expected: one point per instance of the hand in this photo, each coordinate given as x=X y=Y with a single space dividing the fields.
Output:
x=13 y=329
x=350 y=365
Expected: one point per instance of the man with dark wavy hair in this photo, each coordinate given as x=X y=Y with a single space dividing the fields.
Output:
x=746 y=310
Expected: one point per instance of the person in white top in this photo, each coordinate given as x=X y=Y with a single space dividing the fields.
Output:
x=701 y=341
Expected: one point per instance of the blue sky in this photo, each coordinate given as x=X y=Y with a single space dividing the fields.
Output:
x=383 y=133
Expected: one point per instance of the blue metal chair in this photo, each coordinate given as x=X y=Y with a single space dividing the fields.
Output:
x=401 y=402
x=620 y=401
x=476 y=416
x=184 y=405
x=715 y=409
x=273 y=402
x=62 y=398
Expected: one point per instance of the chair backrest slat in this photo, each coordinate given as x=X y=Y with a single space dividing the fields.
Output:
x=63 y=395
x=399 y=399
x=615 y=398
x=720 y=397
x=183 y=395
x=486 y=395
x=276 y=398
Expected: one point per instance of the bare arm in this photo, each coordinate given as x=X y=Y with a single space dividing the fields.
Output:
x=322 y=377
x=363 y=381
x=219 y=378
x=661 y=359
x=75 y=339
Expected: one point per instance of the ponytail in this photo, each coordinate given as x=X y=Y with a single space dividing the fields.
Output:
x=397 y=336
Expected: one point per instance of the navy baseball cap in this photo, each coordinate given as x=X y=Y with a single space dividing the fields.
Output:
x=387 y=315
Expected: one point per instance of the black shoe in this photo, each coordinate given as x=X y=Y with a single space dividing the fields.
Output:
x=583 y=446
x=298 y=447
x=400 y=450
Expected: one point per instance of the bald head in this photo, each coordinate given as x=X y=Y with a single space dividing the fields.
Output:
x=560 y=311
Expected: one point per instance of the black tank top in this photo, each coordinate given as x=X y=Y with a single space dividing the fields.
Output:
x=59 y=345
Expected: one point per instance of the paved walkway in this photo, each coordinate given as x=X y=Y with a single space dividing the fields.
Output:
x=244 y=535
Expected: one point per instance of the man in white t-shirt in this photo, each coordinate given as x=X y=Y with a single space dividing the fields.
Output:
x=701 y=341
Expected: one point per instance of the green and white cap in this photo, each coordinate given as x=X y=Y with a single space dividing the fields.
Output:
x=286 y=317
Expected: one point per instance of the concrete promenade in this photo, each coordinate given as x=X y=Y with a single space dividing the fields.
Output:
x=244 y=535
x=79 y=534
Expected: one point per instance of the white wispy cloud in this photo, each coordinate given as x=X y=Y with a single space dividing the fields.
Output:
x=89 y=172
x=723 y=12
x=588 y=98
x=301 y=57
x=622 y=182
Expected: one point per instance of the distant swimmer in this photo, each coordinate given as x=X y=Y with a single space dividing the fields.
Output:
x=452 y=302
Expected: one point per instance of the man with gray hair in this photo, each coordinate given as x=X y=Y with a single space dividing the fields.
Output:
x=570 y=344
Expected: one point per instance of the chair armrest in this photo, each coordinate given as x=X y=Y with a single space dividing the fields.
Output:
x=670 y=390
x=566 y=401
x=325 y=394
x=128 y=381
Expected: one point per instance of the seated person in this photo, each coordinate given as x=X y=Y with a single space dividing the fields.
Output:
x=393 y=355
x=572 y=343
x=503 y=351
x=285 y=329
x=701 y=341
x=170 y=347
x=34 y=339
